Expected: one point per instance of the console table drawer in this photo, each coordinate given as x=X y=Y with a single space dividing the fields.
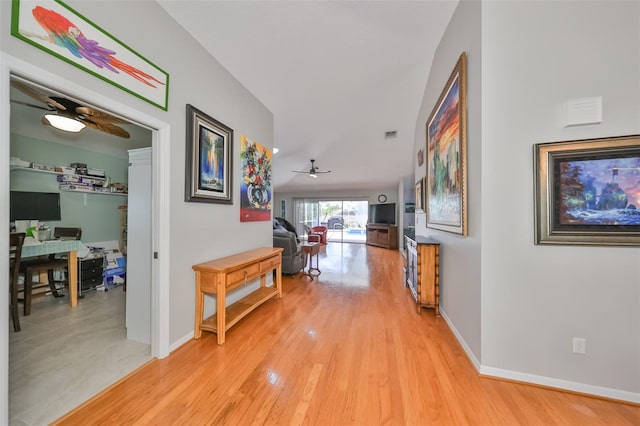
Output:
x=269 y=264
x=241 y=274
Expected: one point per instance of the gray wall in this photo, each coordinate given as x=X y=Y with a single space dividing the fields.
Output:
x=460 y=257
x=198 y=231
x=514 y=305
x=537 y=55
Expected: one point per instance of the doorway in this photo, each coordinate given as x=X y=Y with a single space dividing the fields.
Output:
x=345 y=220
x=160 y=225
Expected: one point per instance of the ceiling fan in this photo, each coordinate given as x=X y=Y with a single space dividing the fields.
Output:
x=71 y=116
x=313 y=171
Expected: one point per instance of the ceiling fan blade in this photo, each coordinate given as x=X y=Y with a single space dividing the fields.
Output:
x=37 y=95
x=99 y=116
x=112 y=129
x=32 y=105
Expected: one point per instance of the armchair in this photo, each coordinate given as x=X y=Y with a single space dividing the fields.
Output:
x=322 y=231
x=292 y=256
x=312 y=237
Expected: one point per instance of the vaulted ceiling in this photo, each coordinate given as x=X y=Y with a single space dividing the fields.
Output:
x=337 y=75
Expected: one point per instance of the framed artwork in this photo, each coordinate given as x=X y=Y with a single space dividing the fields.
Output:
x=255 y=188
x=209 y=168
x=56 y=28
x=446 y=185
x=587 y=192
x=419 y=206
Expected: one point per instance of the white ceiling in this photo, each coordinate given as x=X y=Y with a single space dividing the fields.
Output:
x=336 y=75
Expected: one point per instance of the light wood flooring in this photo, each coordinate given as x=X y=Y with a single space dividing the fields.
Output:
x=64 y=356
x=347 y=349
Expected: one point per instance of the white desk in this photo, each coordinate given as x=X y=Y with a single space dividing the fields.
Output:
x=60 y=246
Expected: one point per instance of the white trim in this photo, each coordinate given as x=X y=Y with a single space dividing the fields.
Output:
x=540 y=380
x=181 y=341
x=160 y=308
x=561 y=384
x=463 y=343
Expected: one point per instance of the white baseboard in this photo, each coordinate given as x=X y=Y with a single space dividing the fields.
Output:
x=540 y=380
x=184 y=339
x=561 y=384
x=467 y=349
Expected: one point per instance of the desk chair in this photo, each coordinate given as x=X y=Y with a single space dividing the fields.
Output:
x=49 y=265
x=16 y=241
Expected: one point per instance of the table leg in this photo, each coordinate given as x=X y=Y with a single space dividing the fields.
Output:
x=279 y=279
x=72 y=270
x=221 y=314
x=197 y=332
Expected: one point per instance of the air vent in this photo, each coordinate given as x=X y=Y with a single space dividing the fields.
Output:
x=391 y=134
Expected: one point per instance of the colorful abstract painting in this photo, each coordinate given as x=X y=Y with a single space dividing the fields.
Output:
x=445 y=203
x=59 y=30
x=255 y=189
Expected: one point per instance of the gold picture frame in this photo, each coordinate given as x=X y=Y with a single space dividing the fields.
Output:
x=446 y=180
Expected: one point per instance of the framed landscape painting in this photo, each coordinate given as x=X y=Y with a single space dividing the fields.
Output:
x=446 y=181
x=587 y=192
x=208 y=159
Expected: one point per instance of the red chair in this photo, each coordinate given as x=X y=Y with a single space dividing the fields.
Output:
x=322 y=231
x=312 y=237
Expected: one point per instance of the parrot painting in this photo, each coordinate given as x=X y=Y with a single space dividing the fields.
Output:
x=66 y=34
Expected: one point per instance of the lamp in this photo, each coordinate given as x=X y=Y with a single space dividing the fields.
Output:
x=63 y=122
x=312 y=174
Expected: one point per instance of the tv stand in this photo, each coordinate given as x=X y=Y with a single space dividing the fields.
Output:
x=382 y=235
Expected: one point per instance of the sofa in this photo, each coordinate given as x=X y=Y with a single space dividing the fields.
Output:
x=292 y=256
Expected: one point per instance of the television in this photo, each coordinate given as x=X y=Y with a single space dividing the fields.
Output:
x=382 y=213
x=43 y=206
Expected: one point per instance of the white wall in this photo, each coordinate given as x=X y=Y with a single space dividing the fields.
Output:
x=535 y=56
x=459 y=256
x=198 y=231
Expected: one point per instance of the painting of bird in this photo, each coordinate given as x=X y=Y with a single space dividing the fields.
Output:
x=65 y=34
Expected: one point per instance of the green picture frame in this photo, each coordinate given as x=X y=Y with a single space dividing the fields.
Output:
x=55 y=28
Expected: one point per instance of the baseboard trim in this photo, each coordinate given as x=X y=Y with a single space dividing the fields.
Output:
x=175 y=345
x=547 y=382
x=560 y=384
x=463 y=343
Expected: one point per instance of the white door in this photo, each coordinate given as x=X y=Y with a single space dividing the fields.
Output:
x=138 y=309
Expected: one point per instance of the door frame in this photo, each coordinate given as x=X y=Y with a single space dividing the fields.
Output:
x=160 y=271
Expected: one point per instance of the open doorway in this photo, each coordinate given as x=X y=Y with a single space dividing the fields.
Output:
x=160 y=137
x=345 y=220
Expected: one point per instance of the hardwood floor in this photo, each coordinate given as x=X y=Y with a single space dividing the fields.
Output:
x=347 y=349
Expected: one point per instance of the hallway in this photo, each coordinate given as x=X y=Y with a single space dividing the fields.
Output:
x=345 y=349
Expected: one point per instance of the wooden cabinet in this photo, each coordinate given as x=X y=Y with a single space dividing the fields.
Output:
x=222 y=275
x=382 y=235
x=423 y=272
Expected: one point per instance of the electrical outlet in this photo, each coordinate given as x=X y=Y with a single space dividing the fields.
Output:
x=579 y=345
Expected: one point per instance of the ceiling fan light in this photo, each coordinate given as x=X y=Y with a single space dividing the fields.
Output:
x=313 y=175
x=64 y=123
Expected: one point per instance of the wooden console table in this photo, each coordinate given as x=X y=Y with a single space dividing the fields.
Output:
x=222 y=275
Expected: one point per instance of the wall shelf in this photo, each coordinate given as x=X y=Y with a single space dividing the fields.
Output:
x=53 y=172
